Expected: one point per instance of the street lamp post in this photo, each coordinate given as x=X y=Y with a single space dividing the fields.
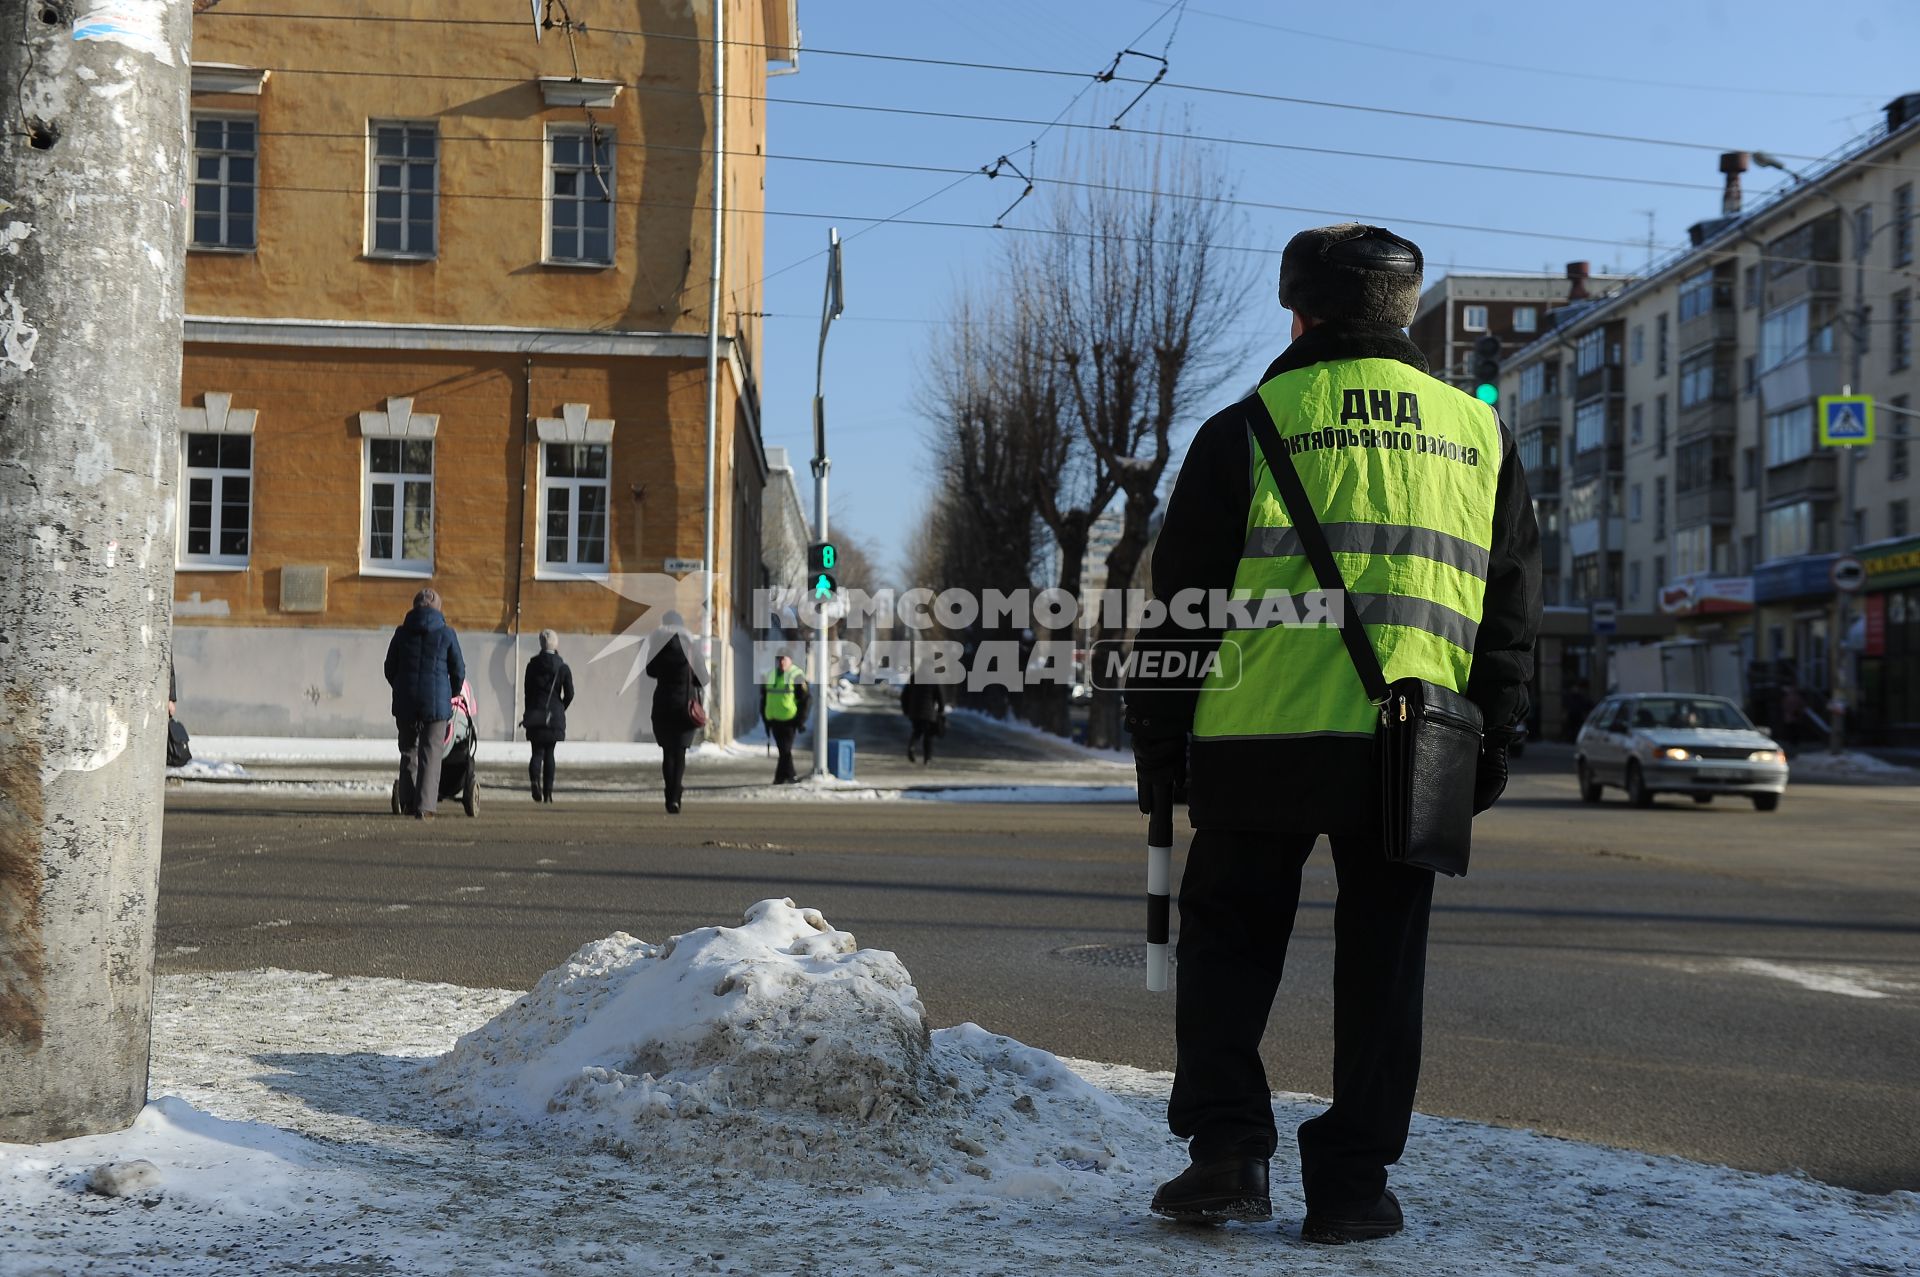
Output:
x=831 y=307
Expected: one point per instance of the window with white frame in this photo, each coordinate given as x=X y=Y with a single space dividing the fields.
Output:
x=1633 y=504
x=1791 y=531
x=399 y=502
x=1637 y=344
x=580 y=196
x=1533 y=382
x=405 y=188
x=1526 y=319
x=217 y=476
x=1473 y=318
x=224 y=148
x=573 y=498
x=1590 y=351
x=1589 y=426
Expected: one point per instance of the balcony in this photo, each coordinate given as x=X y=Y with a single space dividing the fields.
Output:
x=1588 y=464
x=1717 y=417
x=1816 y=279
x=1798 y=380
x=1608 y=379
x=1713 y=505
x=1544 y=481
x=1544 y=411
x=1720 y=324
x=1584 y=538
x=1811 y=476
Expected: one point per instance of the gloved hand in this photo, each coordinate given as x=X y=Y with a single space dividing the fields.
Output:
x=1490 y=780
x=1159 y=760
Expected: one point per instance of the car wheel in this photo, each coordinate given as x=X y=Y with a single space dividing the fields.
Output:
x=1703 y=799
x=1765 y=802
x=1637 y=792
x=1589 y=787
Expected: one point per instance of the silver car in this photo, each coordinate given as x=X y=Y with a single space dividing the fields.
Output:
x=1651 y=743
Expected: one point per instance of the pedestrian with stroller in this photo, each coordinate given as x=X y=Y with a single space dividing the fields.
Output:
x=425 y=671
x=549 y=690
x=784 y=702
x=678 y=713
x=924 y=702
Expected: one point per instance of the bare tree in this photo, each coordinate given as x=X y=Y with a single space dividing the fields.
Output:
x=1140 y=301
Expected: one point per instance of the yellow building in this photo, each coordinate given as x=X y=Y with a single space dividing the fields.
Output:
x=448 y=317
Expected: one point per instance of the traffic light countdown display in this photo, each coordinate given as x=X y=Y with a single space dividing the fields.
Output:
x=1486 y=369
x=821 y=558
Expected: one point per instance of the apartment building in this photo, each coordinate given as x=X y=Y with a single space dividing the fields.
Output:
x=1668 y=427
x=1457 y=310
x=447 y=322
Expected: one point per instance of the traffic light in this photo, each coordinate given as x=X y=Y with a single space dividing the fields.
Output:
x=1486 y=369
x=822 y=556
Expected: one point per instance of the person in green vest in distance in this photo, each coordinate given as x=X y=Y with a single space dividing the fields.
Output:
x=783 y=708
x=1423 y=502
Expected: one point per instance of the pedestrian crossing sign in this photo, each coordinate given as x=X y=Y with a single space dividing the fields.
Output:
x=1846 y=420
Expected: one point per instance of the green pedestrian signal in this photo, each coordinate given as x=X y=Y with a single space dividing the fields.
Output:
x=822 y=586
x=1487 y=393
x=821 y=558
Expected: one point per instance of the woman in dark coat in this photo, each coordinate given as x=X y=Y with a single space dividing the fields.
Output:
x=676 y=682
x=924 y=702
x=549 y=690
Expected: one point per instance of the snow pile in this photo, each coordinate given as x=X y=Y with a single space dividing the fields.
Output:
x=209 y=769
x=1850 y=765
x=174 y=1159
x=778 y=1047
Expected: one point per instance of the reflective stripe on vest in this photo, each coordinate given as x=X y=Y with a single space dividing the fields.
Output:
x=782 y=705
x=1402 y=470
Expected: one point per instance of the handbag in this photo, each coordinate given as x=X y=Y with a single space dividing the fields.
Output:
x=1427 y=738
x=696 y=710
x=178 y=754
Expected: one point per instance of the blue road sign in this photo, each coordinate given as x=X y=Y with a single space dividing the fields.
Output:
x=1846 y=421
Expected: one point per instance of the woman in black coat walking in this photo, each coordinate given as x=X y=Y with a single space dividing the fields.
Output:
x=676 y=689
x=549 y=690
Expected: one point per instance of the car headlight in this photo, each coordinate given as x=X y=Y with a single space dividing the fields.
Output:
x=1766 y=756
x=1672 y=754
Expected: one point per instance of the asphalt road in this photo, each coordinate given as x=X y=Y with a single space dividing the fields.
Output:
x=1700 y=980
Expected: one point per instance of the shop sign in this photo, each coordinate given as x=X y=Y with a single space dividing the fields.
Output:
x=1804 y=576
x=1876 y=637
x=1897 y=563
x=1701 y=595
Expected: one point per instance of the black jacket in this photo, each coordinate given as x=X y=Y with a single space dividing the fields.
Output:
x=923 y=702
x=549 y=686
x=424 y=667
x=674 y=681
x=1323 y=784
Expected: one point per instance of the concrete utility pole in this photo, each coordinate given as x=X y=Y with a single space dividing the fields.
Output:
x=92 y=247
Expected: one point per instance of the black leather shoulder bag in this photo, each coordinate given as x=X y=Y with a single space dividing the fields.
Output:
x=1427 y=737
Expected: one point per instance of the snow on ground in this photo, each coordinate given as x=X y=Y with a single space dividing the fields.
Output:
x=1061 y=793
x=1850 y=765
x=705 y=1111
x=1023 y=728
x=205 y=769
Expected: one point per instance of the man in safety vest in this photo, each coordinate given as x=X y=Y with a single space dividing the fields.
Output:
x=783 y=707
x=1425 y=506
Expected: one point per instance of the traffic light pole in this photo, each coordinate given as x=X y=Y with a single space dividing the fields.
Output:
x=830 y=308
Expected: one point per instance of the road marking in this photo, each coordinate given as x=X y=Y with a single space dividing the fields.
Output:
x=1850 y=982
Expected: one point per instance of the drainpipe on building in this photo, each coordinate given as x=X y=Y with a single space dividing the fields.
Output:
x=713 y=329
x=520 y=555
x=90 y=328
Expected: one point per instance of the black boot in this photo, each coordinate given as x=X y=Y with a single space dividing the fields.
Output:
x=1217 y=1191
x=1354 y=1224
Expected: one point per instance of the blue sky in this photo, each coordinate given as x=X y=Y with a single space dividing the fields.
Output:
x=1755 y=75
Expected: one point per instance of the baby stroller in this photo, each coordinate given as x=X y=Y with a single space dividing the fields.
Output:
x=459 y=754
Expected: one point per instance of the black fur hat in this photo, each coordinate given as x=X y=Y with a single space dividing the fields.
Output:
x=1353 y=272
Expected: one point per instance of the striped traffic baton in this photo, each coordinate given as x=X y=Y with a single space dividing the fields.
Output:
x=1159 y=874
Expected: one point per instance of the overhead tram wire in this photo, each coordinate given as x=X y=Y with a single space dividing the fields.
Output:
x=1063 y=73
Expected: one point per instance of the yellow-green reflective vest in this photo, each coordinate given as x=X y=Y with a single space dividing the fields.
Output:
x=1401 y=470
x=782 y=705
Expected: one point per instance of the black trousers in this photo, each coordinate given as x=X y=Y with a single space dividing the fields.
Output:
x=923 y=733
x=674 y=740
x=1237 y=904
x=540 y=767
x=782 y=734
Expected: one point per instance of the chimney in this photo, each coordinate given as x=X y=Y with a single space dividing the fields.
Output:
x=1733 y=164
x=1577 y=281
x=1902 y=111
